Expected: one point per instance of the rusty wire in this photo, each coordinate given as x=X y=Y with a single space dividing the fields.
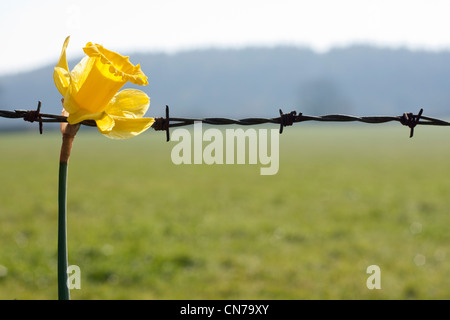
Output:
x=285 y=119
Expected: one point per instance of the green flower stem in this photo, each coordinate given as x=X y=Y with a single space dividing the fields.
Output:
x=68 y=135
x=63 y=289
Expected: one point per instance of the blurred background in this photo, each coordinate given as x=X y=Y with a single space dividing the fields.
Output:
x=241 y=58
x=346 y=196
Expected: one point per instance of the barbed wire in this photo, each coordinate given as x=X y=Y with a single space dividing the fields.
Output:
x=285 y=119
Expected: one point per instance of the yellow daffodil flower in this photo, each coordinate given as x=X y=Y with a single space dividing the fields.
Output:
x=91 y=91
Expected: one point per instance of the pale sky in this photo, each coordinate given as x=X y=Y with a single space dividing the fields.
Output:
x=32 y=32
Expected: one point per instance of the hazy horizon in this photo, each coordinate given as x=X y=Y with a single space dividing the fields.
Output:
x=132 y=53
x=258 y=81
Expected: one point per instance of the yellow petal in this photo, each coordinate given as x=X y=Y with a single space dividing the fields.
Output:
x=129 y=103
x=81 y=114
x=80 y=72
x=62 y=63
x=125 y=128
x=69 y=103
x=61 y=75
x=105 y=124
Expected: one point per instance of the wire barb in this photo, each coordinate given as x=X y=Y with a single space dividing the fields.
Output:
x=287 y=119
x=411 y=120
x=32 y=116
x=163 y=124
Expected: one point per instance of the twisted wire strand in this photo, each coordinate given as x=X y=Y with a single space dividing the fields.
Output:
x=303 y=118
x=285 y=119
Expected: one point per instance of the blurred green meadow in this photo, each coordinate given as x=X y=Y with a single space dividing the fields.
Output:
x=346 y=196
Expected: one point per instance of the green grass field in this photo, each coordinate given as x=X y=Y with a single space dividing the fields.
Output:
x=346 y=196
